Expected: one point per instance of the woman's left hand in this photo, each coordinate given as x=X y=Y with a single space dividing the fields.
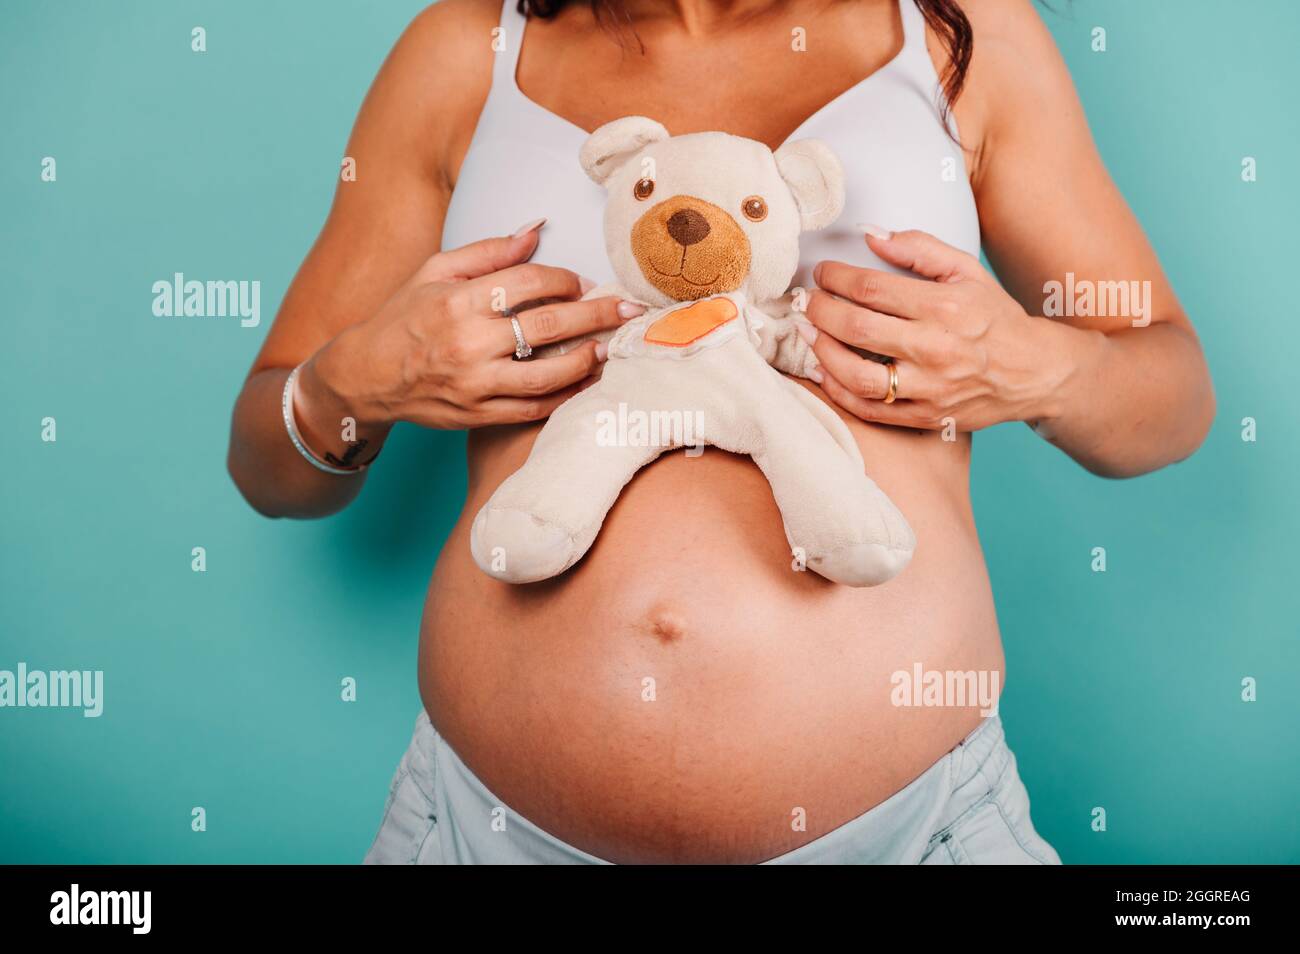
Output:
x=965 y=353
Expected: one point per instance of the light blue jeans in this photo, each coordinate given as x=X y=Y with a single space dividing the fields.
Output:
x=970 y=807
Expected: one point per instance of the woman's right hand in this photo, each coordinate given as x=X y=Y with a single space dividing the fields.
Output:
x=440 y=353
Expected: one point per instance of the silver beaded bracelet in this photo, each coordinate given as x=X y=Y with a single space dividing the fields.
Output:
x=291 y=426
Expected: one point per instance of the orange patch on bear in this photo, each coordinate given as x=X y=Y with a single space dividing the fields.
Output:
x=684 y=325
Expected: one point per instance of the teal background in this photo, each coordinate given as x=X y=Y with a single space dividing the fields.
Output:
x=223 y=688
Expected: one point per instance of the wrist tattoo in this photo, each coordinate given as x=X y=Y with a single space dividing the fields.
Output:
x=349 y=455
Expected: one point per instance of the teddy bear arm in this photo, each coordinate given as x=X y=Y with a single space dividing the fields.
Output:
x=782 y=346
x=543 y=518
x=837 y=519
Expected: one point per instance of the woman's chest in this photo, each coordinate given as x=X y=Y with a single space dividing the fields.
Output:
x=759 y=79
x=874 y=106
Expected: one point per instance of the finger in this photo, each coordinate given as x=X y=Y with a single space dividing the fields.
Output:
x=899 y=295
x=547 y=324
x=853 y=324
x=520 y=410
x=860 y=376
x=482 y=257
x=901 y=413
x=927 y=256
x=544 y=375
x=520 y=284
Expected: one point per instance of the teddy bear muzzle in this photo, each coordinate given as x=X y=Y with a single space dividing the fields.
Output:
x=688 y=248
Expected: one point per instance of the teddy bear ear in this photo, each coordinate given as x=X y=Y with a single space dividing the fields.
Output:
x=615 y=142
x=816 y=180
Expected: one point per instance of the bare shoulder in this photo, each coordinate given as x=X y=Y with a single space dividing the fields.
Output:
x=1014 y=53
x=1018 y=22
x=431 y=88
x=1016 y=73
x=459 y=31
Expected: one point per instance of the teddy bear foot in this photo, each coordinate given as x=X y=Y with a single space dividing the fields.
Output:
x=518 y=547
x=861 y=564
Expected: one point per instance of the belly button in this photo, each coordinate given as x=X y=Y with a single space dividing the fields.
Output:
x=666 y=626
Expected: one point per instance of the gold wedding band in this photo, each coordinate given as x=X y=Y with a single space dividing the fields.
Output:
x=892 y=394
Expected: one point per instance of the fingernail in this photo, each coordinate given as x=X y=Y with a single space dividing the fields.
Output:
x=875 y=231
x=529 y=227
x=815 y=376
x=602 y=350
x=586 y=284
x=817 y=273
x=807 y=332
x=630 y=309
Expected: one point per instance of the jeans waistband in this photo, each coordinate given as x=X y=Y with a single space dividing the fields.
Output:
x=477 y=828
x=983 y=753
x=898 y=830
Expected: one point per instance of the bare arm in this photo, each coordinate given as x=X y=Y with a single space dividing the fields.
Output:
x=1137 y=398
x=1120 y=399
x=389 y=328
x=379 y=230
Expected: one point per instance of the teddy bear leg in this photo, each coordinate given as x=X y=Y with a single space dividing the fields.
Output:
x=842 y=525
x=546 y=515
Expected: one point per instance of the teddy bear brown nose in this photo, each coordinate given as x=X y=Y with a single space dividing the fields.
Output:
x=687 y=226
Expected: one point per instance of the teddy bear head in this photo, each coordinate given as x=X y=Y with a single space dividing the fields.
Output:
x=702 y=214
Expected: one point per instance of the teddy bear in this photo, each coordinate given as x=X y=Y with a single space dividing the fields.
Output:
x=703 y=229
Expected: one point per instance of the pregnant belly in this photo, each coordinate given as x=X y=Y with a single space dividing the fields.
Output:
x=683 y=694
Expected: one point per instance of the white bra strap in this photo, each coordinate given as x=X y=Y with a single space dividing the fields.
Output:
x=913 y=34
x=509 y=38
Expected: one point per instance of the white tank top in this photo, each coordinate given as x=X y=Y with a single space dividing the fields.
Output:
x=902 y=171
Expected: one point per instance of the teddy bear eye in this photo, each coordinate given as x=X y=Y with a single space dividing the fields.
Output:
x=755 y=208
x=643 y=188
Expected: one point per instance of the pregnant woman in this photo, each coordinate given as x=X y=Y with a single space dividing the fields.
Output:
x=683 y=694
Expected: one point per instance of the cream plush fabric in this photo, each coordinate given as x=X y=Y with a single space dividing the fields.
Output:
x=704 y=230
